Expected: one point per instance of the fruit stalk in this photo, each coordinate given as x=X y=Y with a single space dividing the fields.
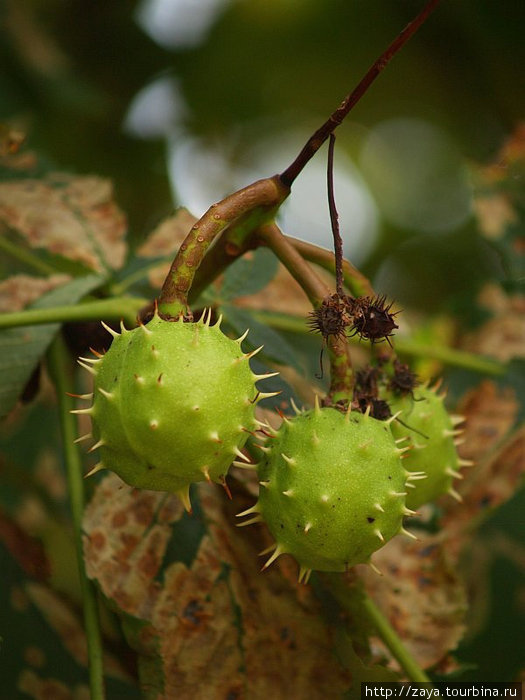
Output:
x=341 y=374
x=252 y=205
x=356 y=282
x=60 y=369
x=245 y=209
x=334 y=219
x=392 y=641
x=315 y=289
x=339 y=589
x=228 y=248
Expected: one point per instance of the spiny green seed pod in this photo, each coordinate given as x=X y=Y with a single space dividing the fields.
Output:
x=173 y=404
x=432 y=436
x=332 y=489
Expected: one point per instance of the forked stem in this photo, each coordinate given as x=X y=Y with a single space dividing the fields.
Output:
x=245 y=209
x=227 y=249
x=341 y=374
x=355 y=281
x=258 y=202
x=315 y=289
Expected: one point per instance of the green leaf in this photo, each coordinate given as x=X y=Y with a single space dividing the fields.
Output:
x=21 y=348
x=249 y=274
x=75 y=216
x=276 y=348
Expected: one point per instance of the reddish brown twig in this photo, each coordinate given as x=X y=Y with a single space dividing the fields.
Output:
x=334 y=219
x=317 y=139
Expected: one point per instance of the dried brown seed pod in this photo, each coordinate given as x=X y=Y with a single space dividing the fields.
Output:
x=404 y=380
x=332 y=317
x=367 y=381
x=372 y=319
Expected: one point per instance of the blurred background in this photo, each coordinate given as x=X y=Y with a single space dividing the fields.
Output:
x=180 y=102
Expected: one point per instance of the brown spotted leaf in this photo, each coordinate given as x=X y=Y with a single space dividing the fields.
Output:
x=494 y=213
x=503 y=335
x=17 y=291
x=490 y=483
x=492 y=442
x=72 y=216
x=490 y=414
x=219 y=627
x=498 y=206
x=421 y=594
x=28 y=552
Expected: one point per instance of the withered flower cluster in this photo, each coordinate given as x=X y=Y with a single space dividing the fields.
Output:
x=368 y=317
x=371 y=319
x=370 y=380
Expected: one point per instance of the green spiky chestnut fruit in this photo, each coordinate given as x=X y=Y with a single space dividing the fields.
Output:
x=332 y=489
x=173 y=404
x=432 y=434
